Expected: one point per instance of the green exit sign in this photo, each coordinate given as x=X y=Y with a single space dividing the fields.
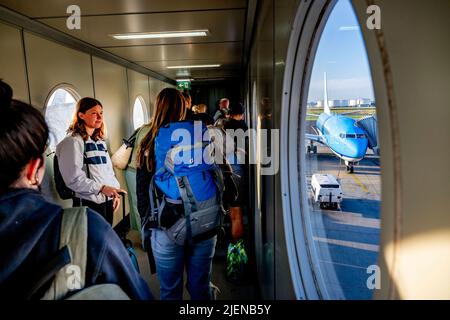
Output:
x=184 y=85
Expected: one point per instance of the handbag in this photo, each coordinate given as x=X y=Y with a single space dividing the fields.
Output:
x=122 y=156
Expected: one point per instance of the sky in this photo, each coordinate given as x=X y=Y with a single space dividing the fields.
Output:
x=342 y=54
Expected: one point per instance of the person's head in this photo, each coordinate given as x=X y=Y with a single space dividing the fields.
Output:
x=88 y=117
x=188 y=99
x=224 y=103
x=200 y=108
x=23 y=139
x=170 y=107
x=237 y=111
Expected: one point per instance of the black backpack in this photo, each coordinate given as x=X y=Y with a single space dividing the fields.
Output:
x=64 y=191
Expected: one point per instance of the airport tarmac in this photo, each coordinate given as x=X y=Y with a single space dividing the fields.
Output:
x=347 y=240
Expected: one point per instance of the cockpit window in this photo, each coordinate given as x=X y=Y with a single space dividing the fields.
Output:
x=352 y=135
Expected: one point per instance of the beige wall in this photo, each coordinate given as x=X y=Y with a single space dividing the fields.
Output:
x=415 y=238
x=51 y=64
x=155 y=87
x=12 y=62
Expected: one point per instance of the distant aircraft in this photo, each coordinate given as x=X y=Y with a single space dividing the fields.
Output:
x=339 y=133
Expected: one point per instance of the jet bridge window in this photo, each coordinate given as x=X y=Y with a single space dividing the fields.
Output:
x=59 y=113
x=139 y=112
x=344 y=229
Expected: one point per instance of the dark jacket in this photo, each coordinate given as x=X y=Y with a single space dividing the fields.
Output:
x=29 y=237
x=231 y=123
x=203 y=117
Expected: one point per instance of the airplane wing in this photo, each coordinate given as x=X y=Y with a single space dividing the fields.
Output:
x=315 y=138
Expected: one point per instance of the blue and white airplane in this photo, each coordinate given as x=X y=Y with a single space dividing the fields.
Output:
x=339 y=133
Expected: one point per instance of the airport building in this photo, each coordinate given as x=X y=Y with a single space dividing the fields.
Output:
x=358 y=102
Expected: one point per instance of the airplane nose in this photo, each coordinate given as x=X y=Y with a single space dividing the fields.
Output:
x=357 y=149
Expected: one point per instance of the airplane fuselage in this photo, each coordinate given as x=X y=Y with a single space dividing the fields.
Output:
x=348 y=141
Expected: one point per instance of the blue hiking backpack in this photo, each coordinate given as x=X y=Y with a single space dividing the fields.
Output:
x=187 y=176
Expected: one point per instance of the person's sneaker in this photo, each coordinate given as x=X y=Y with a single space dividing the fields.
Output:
x=214 y=290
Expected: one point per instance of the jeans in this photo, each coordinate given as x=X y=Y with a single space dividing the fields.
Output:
x=239 y=179
x=170 y=261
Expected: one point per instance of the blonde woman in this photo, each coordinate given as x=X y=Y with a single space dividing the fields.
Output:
x=84 y=161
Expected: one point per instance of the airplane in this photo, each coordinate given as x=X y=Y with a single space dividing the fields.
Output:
x=340 y=134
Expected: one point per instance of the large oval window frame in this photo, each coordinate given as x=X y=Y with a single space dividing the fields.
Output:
x=310 y=20
x=144 y=109
x=72 y=90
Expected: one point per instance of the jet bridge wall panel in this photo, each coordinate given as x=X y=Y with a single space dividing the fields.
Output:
x=414 y=255
x=155 y=87
x=138 y=86
x=51 y=64
x=284 y=15
x=264 y=211
x=12 y=61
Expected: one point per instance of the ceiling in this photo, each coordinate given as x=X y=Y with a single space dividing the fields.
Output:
x=224 y=19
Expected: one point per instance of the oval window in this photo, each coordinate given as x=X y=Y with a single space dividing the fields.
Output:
x=341 y=162
x=59 y=113
x=139 y=113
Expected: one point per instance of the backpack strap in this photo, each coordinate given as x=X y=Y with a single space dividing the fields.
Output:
x=86 y=158
x=219 y=182
x=59 y=261
x=152 y=212
x=73 y=238
x=132 y=139
x=150 y=221
x=189 y=204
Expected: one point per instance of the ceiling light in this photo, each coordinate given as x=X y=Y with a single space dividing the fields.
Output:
x=158 y=35
x=195 y=66
x=187 y=79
